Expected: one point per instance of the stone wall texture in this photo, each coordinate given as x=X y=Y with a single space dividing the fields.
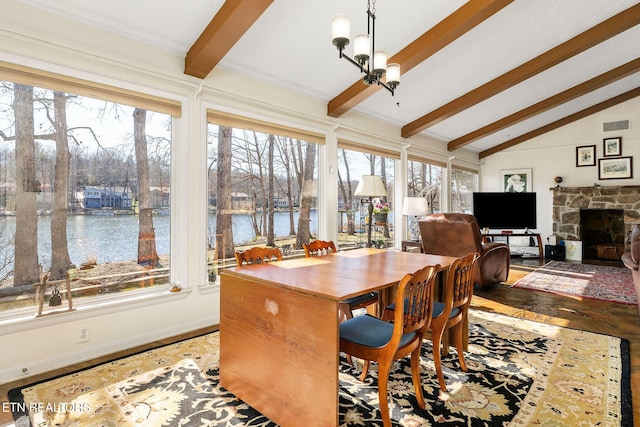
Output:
x=568 y=201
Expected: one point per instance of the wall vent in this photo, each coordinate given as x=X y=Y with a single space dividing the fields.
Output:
x=615 y=126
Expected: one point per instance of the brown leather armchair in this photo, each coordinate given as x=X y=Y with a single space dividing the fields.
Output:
x=631 y=259
x=456 y=234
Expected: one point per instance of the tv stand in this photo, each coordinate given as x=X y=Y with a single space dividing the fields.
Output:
x=488 y=236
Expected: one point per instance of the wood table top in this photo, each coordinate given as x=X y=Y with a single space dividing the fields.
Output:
x=341 y=275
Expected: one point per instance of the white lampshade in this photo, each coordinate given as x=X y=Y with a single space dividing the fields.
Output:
x=379 y=62
x=340 y=29
x=393 y=73
x=414 y=206
x=371 y=186
x=361 y=48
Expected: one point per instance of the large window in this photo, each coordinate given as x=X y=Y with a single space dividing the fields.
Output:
x=262 y=188
x=463 y=184
x=424 y=179
x=353 y=211
x=84 y=191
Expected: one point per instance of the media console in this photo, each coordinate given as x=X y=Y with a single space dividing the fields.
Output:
x=507 y=235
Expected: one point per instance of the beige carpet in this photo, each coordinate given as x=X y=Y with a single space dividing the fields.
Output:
x=520 y=373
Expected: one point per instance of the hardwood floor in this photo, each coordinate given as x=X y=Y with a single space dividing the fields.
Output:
x=590 y=315
x=596 y=316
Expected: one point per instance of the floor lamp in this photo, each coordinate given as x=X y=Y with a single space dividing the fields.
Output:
x=414 y=207
x=370 y=186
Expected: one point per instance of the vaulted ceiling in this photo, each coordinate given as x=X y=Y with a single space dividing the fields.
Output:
x=480 y=74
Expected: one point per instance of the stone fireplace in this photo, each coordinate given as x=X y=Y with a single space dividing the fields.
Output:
x=599 y=216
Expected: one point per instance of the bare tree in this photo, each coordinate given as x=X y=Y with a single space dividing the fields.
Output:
x=26 y=247
x=304 y=233
x=147 y=254
x=285 y=147
x=347 y=194
x=270 y=197
x=224 y=229
x=60 y=260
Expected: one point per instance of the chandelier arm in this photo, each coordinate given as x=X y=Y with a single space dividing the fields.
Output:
x=387 y=87
x=353 y=61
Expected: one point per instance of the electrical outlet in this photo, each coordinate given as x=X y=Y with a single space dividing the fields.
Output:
x=83 y=334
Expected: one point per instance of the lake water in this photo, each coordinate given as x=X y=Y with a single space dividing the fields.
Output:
x=115 y=238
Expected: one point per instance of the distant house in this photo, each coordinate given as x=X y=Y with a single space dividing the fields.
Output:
x=242 y=202
x=160 y=197
x=106 y=197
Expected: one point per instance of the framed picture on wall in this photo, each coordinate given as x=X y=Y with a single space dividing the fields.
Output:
x=618 y=168
x=612 y=147
x=516 y=180
x=586 y=155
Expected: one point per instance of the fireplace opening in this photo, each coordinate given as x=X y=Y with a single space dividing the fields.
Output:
x=602 y=235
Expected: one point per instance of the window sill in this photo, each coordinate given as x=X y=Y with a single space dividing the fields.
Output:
x=24 y=319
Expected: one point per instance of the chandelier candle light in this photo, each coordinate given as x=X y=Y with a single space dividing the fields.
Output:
x=363 y=45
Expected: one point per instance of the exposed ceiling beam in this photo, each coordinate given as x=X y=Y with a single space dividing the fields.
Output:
x=449 y=29
x=564 y=121
x=601 y=32
x=233 y=19
x=549 y=103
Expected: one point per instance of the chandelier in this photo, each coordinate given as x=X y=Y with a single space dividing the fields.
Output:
x=363 y=45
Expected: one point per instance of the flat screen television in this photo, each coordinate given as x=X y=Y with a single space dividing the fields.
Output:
x=505 y=211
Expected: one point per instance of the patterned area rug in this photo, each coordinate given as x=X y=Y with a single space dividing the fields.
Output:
x=600 y=282
x=520 y=373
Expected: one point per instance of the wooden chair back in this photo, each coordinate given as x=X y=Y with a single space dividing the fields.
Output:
x=258 y=255
x=459 y=289
x=318 y=248
x=414 y=300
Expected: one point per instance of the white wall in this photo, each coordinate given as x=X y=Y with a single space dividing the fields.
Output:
x=554 y=154
x=37 y=39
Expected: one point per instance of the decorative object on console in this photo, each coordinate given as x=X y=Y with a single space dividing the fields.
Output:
x=615 y=168
x=413 y=208
x=516 y=180
x=370 y=186
x=363 y=47
x=586 y=155
x=612 y=147
x=558 y=180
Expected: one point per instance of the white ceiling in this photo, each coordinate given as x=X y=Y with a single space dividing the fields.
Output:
x=290 y=46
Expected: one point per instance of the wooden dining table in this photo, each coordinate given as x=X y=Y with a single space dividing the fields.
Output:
x=279 y=328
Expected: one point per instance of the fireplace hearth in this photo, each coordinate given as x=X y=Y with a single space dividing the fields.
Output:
x=602 y=234
x=600 y=216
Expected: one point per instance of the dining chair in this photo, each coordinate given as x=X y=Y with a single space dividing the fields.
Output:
x=370 y=338
x=257 y=255
x=452 y=313
x=348 y=306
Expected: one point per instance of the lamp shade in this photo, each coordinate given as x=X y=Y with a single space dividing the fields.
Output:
x=393 y=73
x=414 y=206
x=340 y=29
x=371 y=186
x=380 y=62
x=361 y=45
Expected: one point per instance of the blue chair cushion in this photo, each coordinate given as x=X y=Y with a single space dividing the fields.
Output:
x=370 y=331
x=438 y=308
x=361 y=298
